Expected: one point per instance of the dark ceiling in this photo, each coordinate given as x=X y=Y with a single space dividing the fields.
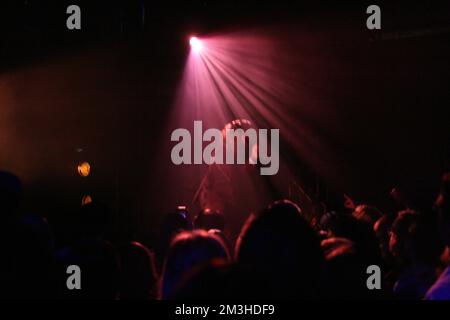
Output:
x=35 y=29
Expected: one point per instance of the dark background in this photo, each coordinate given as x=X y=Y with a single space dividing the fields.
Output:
x=103 y=94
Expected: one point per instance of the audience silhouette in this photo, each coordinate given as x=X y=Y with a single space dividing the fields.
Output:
x=280 y=253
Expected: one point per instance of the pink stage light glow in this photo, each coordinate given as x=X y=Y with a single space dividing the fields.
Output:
x=275 y=83
x=196 y=44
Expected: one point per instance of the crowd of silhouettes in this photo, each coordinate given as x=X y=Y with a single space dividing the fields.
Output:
x=279 y=254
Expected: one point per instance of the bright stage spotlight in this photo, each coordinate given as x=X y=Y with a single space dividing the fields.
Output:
x=84 y=169
x=196 y=44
